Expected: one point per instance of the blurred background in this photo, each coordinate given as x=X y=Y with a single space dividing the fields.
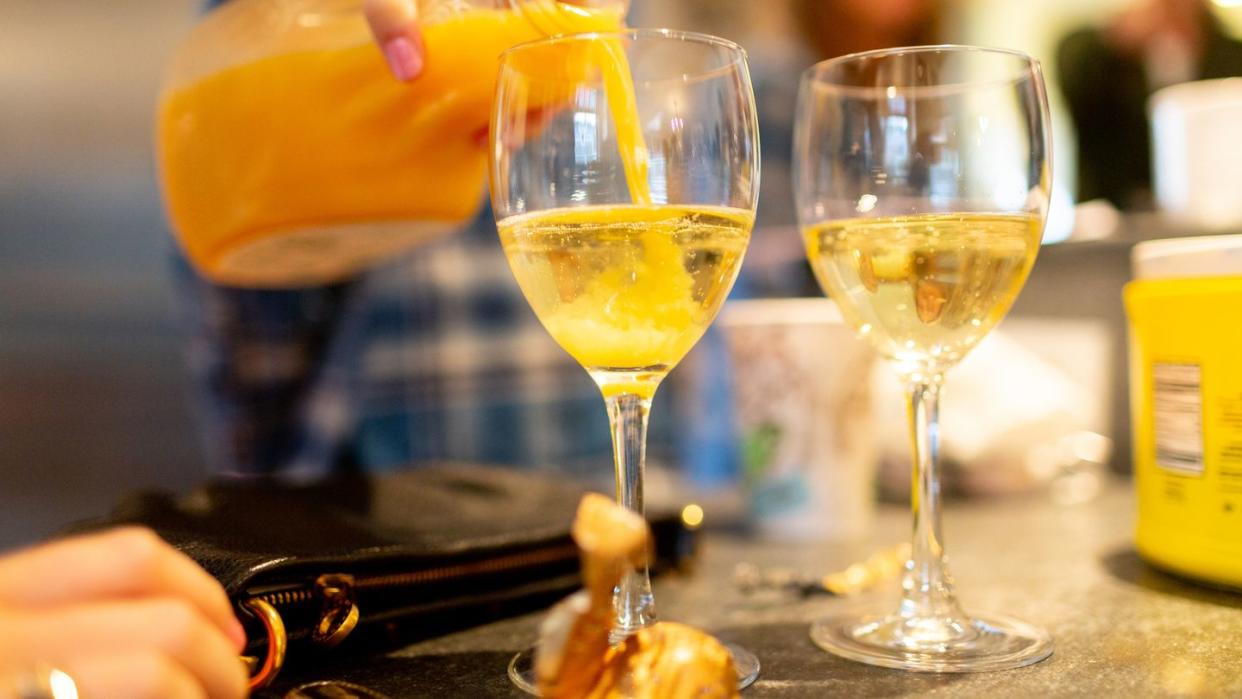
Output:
x=94 y=397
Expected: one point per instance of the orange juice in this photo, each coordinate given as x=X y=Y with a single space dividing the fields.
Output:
x=627 y=288
x=307 y=164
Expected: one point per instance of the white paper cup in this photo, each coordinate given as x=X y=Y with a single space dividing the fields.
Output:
x=803 y=404
x=1196 y=131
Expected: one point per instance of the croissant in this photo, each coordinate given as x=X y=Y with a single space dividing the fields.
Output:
x=665 y=661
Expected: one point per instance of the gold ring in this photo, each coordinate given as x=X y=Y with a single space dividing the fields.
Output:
x=46 y=682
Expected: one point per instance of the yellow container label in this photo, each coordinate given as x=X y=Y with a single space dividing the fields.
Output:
x=1186 y=399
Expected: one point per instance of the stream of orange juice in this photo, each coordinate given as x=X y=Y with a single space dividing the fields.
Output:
x=303 y=167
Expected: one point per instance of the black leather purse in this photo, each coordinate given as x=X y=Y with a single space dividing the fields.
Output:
x=397 y=557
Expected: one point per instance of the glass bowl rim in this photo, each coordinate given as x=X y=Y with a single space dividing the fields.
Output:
x=737 y=53
x=814 y=75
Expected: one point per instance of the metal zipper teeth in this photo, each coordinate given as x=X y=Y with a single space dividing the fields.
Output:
x=286 y=598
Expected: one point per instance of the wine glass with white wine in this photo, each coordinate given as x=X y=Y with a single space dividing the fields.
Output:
x=624 y=179
x=922 y=178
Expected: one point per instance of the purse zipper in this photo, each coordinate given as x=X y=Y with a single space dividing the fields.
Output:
x=338 y=593
x=340 y=613
x=301 y=595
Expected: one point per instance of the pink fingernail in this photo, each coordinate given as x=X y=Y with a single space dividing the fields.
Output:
x=237 y=633
x=403 y=60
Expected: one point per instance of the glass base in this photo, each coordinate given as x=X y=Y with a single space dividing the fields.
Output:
x=522 y=671
x=978 y=644
x=522 y=668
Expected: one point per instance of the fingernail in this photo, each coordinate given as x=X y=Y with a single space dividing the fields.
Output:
x=403 y=60
x=237 y=633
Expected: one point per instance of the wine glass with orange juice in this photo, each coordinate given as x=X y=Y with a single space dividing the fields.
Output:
x=624 y=179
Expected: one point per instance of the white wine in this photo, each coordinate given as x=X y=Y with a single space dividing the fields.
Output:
x=627 y=289
x=924 y=289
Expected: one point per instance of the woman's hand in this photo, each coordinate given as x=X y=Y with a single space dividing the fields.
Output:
x=394 y=23
x=395 y=26
x=122 y=613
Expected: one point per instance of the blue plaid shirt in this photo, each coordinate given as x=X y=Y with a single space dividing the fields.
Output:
x=434 y=356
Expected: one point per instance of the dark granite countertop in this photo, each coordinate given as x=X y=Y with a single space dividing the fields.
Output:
x=1121 y=628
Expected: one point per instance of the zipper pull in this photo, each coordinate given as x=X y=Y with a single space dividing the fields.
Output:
x=263 y=671
x=340 y=613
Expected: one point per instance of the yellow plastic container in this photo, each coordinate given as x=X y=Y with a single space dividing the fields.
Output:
x=1185 y=309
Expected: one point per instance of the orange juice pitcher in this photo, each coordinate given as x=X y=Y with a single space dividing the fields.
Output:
x=289 y=156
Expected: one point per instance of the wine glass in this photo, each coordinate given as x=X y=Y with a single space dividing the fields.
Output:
x=624 y=178
x=922 y=181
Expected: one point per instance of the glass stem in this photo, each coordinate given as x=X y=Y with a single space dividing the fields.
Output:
x=928 y=598
x=627 y=412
